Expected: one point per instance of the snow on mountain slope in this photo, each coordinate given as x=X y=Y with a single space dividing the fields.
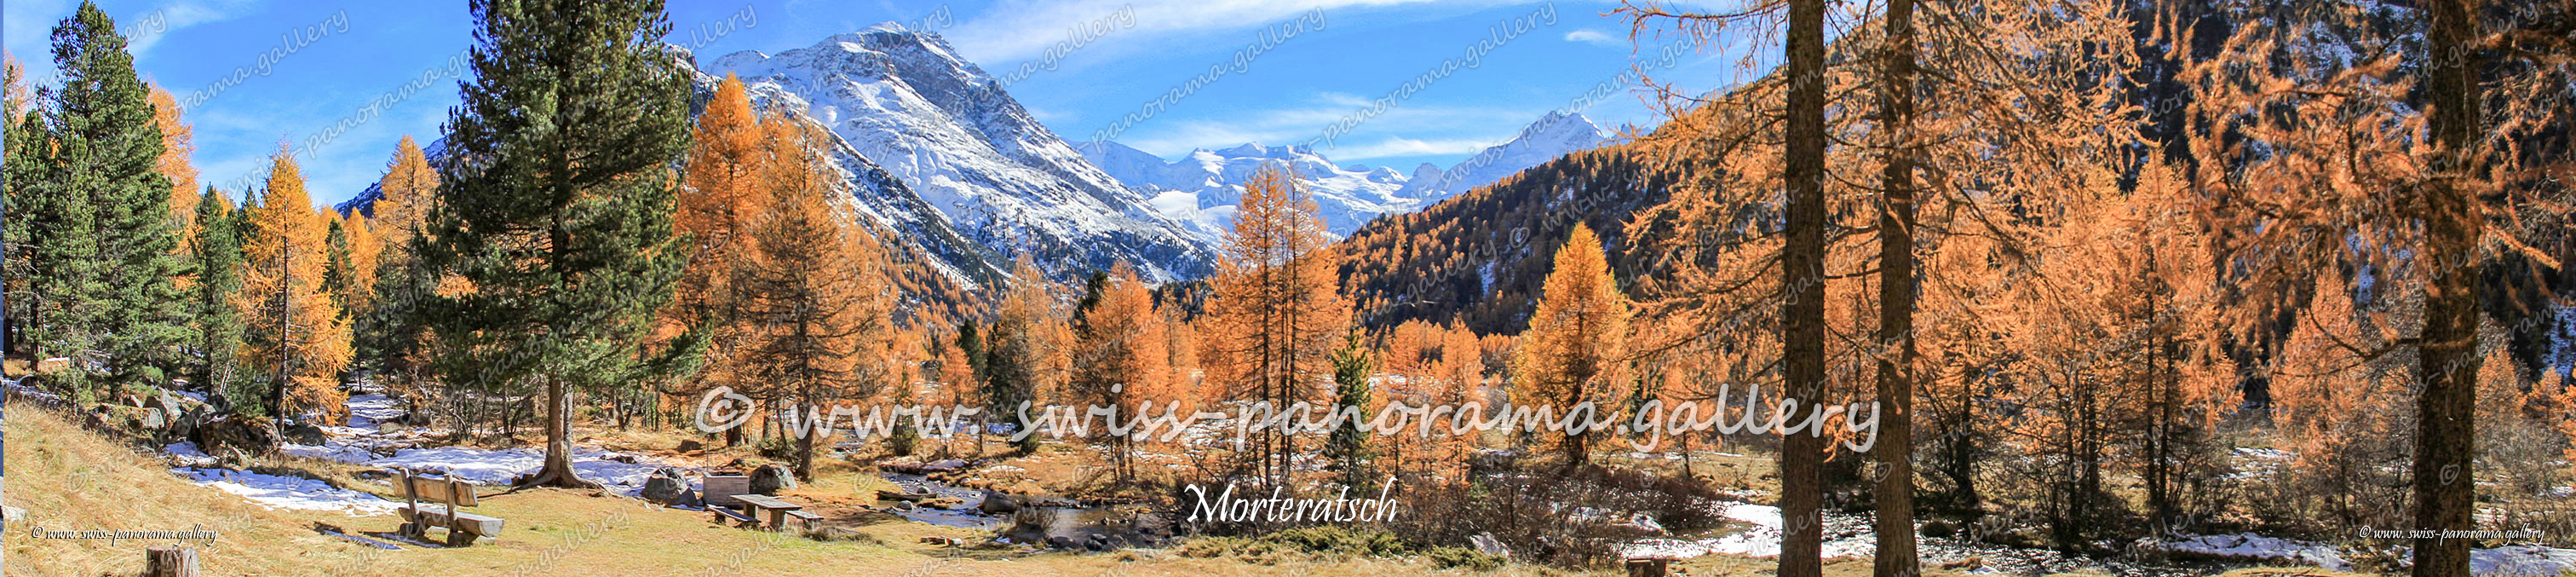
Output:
x=1201 y=188
x=1552 y=136
x=906 y=103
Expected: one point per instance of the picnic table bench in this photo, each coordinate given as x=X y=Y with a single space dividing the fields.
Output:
x=432 y=502
x=779 y=510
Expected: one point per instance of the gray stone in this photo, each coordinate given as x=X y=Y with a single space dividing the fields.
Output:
x=996 y=503
x=1486 y=543
x=664 y=486
x=305 y=434
x=770 y=479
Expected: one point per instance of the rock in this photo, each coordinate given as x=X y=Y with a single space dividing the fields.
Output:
x=772 y=478
x=1097 y=542
x=1061 y=542
x=996 y=503
x=944 y=465
x=1486 y=543
x=236 y=433
x=1939 y=528
x=905 y=506
x=623 y=458
x=154 y=419
x=665 y=486
x=883 y=495
x=306 y=434
x=935 y=540
x=944 y=503
x=691 y=446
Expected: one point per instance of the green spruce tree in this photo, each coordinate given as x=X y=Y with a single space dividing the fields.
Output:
x=1348 y=447
x=562 y=220
x=108 y=149
x=217 y=250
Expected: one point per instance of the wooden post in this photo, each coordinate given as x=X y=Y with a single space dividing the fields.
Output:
x=171 y=561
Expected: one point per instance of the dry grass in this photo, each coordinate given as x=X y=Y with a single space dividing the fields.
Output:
x=70 y=479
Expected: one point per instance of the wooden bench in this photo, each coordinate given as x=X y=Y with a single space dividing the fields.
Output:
x=807 y=519
x=723 y=515
x=432 y=502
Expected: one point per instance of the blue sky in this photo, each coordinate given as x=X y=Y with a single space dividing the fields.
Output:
x=343 y=81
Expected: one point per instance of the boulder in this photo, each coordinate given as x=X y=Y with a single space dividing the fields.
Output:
x=772 y=478
x=691 y=446
x=153 y=419
x=305 y=434
x=1096 y=542
x=1061 y=542
x=665 y=486
x=996 y=503
x=249 y=435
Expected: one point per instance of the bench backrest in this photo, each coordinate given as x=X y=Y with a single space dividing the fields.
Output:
x=448 y=491
x=720 y=489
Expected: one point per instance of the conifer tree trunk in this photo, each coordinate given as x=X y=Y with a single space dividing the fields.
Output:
x=1802 y=265
x=2448 y=362
x=1895 y=492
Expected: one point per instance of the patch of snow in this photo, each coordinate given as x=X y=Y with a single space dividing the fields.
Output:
x=368 y=409
x=333 y=450
x=2522 y=561
x=284 y=492
x=1762 y=540
x=2257 y=547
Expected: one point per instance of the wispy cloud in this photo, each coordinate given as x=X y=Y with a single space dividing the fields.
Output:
x=1412 y=131
x=1401 y=146
x=1591 y=36
x=1014 y=30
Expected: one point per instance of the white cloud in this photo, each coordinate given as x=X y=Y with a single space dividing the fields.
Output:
x=1591 y=36
x=1426 y=128
x=1401 y=146
x=1014 y=30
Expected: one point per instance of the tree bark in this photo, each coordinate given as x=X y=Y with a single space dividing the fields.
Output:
x=558 y=471
x=2445 y=435
x=1802 y=262
x=1894 y=523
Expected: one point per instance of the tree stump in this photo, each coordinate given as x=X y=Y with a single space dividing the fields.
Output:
x=170 y=562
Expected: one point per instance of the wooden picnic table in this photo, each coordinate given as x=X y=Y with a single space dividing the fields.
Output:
x=778 y=509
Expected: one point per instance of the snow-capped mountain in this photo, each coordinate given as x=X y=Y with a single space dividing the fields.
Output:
x=903 y=103
x=1552 y=136
x=1201 y=188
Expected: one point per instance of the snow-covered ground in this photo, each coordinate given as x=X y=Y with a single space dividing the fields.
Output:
x=1761 y=540
x=361 y=443
x=284 y=492
x=2252 y=546
x=1846 y=538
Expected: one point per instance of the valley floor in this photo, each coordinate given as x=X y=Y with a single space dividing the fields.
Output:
x=320 y=510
